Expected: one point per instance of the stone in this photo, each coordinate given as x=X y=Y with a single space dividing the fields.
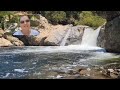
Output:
x=4 y=42
x=109 y=37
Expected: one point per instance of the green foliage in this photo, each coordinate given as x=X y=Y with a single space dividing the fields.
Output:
x=55 y=17
x=73 y=17
x=90 y=19
x=4 y=17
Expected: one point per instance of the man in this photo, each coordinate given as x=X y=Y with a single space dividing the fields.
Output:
x=25 y=27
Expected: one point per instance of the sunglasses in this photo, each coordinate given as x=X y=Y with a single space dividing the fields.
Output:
x=24 y=21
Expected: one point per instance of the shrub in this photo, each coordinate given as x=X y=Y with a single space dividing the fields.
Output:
x=90 y=19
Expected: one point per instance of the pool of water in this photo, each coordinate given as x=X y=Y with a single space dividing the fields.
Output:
x=44 y=62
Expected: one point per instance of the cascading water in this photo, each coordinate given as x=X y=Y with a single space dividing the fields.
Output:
x=90 y=36
x=89 y=40
x=66 y=36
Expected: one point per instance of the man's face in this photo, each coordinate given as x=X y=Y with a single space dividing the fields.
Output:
x=25 y=23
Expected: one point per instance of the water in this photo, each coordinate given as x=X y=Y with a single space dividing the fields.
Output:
x=45 y=62
x=65 y=38
x=90 y=36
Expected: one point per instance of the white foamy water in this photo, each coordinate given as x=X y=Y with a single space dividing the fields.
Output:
x=103 y=56
x=90 y=36
x=20 y=70
x=7 y=74
x=53 y=49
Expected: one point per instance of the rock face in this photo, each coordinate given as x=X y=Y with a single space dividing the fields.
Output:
x=108 y=15
x=109 y=38
x=56 y=35
x=76 y=34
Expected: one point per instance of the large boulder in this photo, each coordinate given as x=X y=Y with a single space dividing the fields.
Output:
x=109 y=38
x=56 y=35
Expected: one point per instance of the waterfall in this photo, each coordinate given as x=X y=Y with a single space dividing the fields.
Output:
x=89 y=40
x=90 y=37
x=66 y=36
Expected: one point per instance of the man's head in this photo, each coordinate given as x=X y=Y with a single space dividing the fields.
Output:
x=25 y=23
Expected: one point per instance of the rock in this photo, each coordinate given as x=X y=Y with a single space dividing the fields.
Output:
x=15 y=41
x=1 y=33
x=94 y=74
x=28 y=40
x=44 y=23
x=76 y=34
x=88 y=69
x=84 y=72
x=4 y=42
x=51 y=73
x=108 y=15
x=79 y=68
x=56 y=35
x=109 y=37
x=112 y=75
x=110 y=70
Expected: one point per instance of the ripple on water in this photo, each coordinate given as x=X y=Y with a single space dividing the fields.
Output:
x=20 y=70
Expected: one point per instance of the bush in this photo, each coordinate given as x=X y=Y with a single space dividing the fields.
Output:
x=90 y=19
x=55 y=17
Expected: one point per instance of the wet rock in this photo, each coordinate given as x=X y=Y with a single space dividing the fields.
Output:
x=84 y=72
x=112 y=75
x=76 y=34
x=77 y=76
x=110 y=70
x=52 y=73
x=79 y=68
x=93 y=74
